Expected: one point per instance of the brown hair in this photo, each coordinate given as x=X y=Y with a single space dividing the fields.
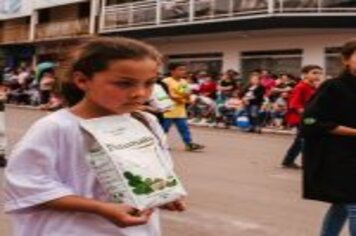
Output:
x=348 y=49
x=96 y=54
x=306 y=69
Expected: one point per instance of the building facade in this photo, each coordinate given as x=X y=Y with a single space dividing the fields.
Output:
x=212 y=35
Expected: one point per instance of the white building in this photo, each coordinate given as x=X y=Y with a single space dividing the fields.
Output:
x=281 y=35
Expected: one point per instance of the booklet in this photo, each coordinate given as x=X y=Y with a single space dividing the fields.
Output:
x=130 y=162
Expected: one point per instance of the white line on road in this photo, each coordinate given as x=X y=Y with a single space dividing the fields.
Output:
x=214 y=222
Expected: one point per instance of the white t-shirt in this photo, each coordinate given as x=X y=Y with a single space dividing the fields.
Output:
x=49 y=163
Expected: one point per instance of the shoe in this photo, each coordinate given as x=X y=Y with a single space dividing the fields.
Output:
x=202 y=122
x=3 y=162
x=193 y=147
x=292 y=166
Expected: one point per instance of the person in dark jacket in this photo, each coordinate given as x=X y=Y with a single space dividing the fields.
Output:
x=253 y=98
x=329 y=152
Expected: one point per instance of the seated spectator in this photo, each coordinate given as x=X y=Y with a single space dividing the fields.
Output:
x=279 y=110
x=265 y=113
x=193 y=84
x=208 y=86
x=226 y=85
x=47 y=82
x=23 y=76
x=283 y=84
x=55 y=102
x=202 y=109
x=19 y=96
x=267 y=81
x=231 y=109
x=35 y=96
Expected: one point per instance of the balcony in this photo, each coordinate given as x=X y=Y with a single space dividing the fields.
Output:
x=14 y=33
x=159 y=13
x=60 y=29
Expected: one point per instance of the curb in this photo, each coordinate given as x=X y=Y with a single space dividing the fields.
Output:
x=264 y=130
x=22 y=107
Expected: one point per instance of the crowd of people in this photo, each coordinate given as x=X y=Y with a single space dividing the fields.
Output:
x=216 y=100
x=227 y=99
x=24 y=85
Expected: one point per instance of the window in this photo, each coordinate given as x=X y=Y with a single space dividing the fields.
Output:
x=333 y=62
x=339 y=3
x=44 y=16
x=209 y=62
x=276 y=61
x=84 y=10
x=117 y=2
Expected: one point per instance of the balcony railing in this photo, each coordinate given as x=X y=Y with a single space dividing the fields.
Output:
x=315 y=6
x=153 y=13
x=63 y=29
x=14 y=33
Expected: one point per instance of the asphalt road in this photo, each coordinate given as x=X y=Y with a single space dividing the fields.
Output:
x=236 y=186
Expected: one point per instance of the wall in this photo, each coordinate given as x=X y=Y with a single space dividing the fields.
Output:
x=232 y=45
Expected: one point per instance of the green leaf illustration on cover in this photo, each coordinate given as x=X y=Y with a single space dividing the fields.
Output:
x=147 y=186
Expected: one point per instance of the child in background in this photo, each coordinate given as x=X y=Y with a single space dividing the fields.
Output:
x=47 y=83
x=180 y=94
x=55 y=102
x=202 y=109
x=279 y=110
x=50 y=188
x=253 y=98
x=208 y=86
x=231 y=109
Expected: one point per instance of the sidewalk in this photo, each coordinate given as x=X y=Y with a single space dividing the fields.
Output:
x=264 y=130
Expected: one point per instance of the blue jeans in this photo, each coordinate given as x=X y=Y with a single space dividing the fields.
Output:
x=253 y=112
x=294 y=150
x=182 y=127
x=336 y=217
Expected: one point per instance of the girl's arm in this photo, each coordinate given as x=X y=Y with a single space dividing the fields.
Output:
x=119 y=214
x=344 y=131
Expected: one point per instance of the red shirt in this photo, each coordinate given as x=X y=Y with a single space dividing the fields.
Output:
x=208 y=88
x=268 y=83
x=299 y=97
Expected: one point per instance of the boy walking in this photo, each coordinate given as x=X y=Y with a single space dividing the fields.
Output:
x=300 y=95
x=179 y=93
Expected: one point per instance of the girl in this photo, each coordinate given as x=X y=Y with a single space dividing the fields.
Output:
x=50 y=189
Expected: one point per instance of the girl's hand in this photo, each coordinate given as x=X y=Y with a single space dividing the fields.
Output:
x=178 y=205
x=123 y=215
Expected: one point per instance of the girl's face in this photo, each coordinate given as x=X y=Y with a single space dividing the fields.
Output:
x=122 y=88
x=351 y=63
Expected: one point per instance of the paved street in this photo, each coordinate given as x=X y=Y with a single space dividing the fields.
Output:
x=236 y=186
